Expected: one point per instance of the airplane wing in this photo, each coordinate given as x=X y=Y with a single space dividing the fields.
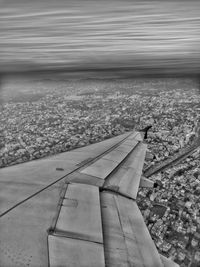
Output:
x=78 y=208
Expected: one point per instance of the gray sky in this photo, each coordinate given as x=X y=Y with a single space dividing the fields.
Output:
x=100 y=33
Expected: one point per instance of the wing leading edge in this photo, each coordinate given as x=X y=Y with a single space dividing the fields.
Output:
x=96 y=221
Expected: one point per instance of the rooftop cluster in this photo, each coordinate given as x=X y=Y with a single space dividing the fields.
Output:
x=172 y=211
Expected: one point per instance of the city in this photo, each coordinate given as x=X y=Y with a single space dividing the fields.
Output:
x=88 y=111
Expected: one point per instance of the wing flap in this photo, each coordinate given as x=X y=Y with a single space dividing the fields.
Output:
x=114 y=245
x=136 y=158
x=77 y=239
x=80 y=215
x=127 y=177
x=74 y=252
x=125 y=232
x=136 y=232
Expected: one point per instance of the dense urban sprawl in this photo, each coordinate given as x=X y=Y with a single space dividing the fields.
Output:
x=65 y=119
x=172 y=211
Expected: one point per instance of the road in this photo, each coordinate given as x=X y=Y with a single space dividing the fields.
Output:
x=172 y=161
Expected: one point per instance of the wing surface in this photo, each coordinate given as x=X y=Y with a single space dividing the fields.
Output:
x=85 y=215
x=19 y=182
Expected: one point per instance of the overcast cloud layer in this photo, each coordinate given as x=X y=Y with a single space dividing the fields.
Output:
x=100 y=34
